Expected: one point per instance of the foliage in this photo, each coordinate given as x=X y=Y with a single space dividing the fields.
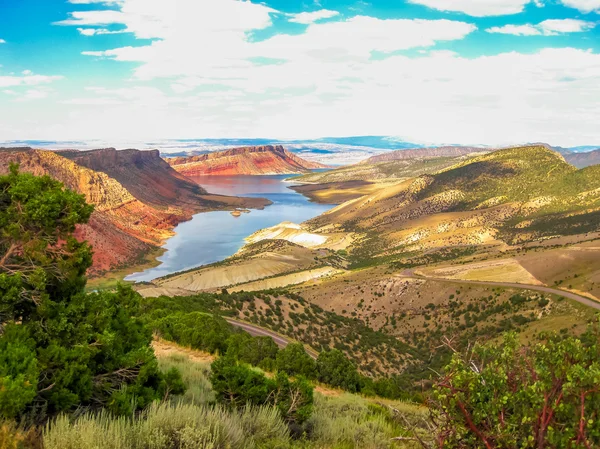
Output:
x=198 y=390
x=195 y=330
x=335 y=369
x=256 y=351
x=61 y=348
x=306 y=323
x=236 y=385
x=14 y=437
x=169 y=426
x=294 y=361
x=545 y=395
x=349 y=421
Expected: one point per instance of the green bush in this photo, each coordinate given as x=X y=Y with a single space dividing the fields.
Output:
x=61 y=348
x=259 y=351
x=236 y=385
x=196 y=330
x=333 y=368
x=508 y=395
x=294 y=360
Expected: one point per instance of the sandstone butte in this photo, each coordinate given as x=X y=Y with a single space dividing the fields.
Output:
x=259 y=160
x=139 y=198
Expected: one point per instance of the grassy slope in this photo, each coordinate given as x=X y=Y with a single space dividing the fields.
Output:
x=339 y=420
x=392 y=170
x=514 y=195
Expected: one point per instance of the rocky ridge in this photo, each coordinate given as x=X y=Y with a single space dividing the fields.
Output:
x=416 y=153
x=258 y=160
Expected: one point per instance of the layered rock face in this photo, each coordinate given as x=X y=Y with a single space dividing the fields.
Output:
x=260 y=160
x=139 y=198
x=148 y=177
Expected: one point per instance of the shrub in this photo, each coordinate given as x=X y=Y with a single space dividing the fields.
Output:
x=294 y=360
x=195 y=375
x=236 y=385
x=61 y=348
x=169 y=426
x=196 y=330
x=508 y=395
x=259 y=351
x=348 y=422
x=334 y=368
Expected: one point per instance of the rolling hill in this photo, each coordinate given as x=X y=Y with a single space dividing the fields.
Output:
x=425 y=153
x=411 y=260
x=259 y=160
x=510 y=196
x=392 y=170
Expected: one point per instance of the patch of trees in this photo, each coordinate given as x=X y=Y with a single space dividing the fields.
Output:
x=236 y=385
x=60 y=347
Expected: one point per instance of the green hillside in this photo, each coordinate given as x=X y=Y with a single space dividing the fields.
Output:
x=381 y=171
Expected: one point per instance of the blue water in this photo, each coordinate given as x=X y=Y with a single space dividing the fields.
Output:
x=213 y=236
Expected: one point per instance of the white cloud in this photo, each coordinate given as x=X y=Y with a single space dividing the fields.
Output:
x=551 y=95
x=28 y=79
x=547 y=27
x=88 y=2
x=349 y=40
x=585 y=6
x=307 y=18
x=558 y=26
x=204 y=76
x=34 y=94
x=516 y=30
x=478 y=8
x=2 y=41
x=98 y=31
x=189 y=19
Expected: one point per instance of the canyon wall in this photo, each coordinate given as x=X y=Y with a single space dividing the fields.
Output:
x=260 y=160
x=139 y=198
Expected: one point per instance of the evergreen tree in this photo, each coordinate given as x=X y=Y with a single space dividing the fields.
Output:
x=61 y=348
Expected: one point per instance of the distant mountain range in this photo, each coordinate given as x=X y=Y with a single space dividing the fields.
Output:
x=421 y=153
x=327 y=150
x=581 y=160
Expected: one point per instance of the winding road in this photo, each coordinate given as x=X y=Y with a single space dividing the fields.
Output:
x=540 y=288
x=257 y=331
x=282 y=341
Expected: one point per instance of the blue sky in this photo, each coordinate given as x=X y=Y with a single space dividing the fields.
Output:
x=430 y=71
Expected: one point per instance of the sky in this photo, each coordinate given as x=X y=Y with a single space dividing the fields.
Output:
x=491 y=72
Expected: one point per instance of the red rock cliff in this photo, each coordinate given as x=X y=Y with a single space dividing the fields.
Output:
x=260 y=160
x=139 y=198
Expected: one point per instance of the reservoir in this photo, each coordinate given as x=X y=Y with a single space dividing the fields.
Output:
x=213 y=236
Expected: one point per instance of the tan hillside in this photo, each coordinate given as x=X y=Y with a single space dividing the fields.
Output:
x=504 y=198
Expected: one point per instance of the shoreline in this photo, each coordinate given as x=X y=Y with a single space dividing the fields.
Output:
x=112 y=278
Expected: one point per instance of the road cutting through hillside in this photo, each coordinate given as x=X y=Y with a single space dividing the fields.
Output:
x=257 y=331
x=540 y=288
